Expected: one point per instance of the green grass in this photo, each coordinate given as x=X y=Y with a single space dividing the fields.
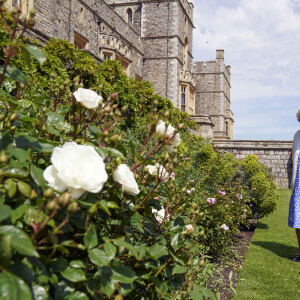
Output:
x=268 y=272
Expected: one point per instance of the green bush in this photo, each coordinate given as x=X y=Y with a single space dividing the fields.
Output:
x=261 y=186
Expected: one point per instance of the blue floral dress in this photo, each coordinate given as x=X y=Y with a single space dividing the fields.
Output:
x=294 y=211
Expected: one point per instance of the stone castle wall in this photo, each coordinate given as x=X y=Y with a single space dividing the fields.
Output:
x=276 y=155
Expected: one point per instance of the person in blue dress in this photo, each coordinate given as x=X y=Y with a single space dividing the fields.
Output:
x=294 y=209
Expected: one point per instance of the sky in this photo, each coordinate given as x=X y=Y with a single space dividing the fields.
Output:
x=261 y=40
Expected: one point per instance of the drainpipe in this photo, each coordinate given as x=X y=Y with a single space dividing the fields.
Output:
x=70 y=14
x=168 y=31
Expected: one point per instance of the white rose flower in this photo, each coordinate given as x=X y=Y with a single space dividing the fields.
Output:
x=160 y=129
x=159 y=214
x=225 y=227
x=123 y=175
x=189 y=228
x=87 y=98
x=158 y=169
x=78 y=168
x=168 y=132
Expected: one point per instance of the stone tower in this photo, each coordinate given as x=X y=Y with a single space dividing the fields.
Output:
x=213 y=96
x=166 y=29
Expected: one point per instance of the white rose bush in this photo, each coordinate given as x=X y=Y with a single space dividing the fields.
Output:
x=96 y=203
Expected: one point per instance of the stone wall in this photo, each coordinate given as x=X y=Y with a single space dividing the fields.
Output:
x=276 y=155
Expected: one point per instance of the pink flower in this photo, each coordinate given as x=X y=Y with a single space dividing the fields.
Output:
x=172 y=175
x=251 y=205
x=239 y=196
x=211 y=200
x=186 y=159
x=221 y=193
x=232 y=201
x=156 y=198
x=189 y=228
x=192 y=180
x=188 y=191
x=254 y=188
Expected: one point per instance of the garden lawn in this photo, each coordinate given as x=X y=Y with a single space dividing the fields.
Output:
x=268 y=272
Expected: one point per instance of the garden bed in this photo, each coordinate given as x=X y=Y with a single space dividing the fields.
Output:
x=244 y=239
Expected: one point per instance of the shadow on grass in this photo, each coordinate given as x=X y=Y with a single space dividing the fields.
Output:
x=281 y=250
x=262 y=225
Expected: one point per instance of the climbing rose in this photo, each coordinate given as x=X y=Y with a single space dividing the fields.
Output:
x=125 y=177
x=163 y=175
x=168 y=132
x=159 y=214
x=87 y=98
x=189 y=228
x=225 y=227
x=77 y=168
x=211 y=200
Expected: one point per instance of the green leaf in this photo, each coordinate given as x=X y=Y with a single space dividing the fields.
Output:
x=24 y=188
x=77 y=264
x=37 y=175
x=196 y=295
x=176 y=240
x=179 y=270
x=20 y=241
x=14 y=73
x=5 y=212
x=18 y=212
x=157 y=251
x=20 y=154
x=207 y=293
x=110 y=249
x=90 y=238
x=78 y=296
x=37 y=53
x=123 y=274
x=99 y=257
x=39 y=293
x=10 y=171
x=104 y=152
x=11 y=187
x=5 y=250
x=73 y=275
x=13 y=287
x=5 y=139
x=122 y=244
x=58 y=122
x=97 y=132
x=23 y=141
x=107 y=284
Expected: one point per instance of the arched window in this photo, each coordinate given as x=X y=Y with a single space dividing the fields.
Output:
x=185 y=53
x=183 y=98
x=129 y=16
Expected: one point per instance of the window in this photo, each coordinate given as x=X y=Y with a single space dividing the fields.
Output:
x=80 y=42
x=226 y=127
x=185 y=24
x=81 y=15
x=107 y=55
x=183 y=97
x=26 y=5
x=129 y=16
x=185 y=53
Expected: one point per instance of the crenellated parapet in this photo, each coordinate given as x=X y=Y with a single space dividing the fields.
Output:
x=187 y=77
x=115 y=43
